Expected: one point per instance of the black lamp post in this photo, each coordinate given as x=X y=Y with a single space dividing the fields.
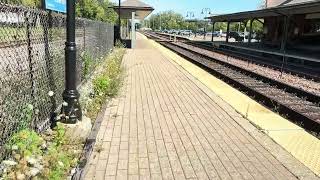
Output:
x=71 y=108
x=191 y=15
x=119 y=19
x=205 y=11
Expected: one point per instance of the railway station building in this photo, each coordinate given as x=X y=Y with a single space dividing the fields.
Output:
x=289 y=30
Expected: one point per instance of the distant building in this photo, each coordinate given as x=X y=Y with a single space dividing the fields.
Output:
x=273 y=3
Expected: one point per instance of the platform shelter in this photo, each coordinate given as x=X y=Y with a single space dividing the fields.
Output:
x=133 y=10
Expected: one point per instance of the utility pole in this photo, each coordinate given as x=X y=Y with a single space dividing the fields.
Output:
x=71 y=108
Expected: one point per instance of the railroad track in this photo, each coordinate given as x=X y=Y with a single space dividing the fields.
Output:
x=293 y=68
x=297 y=69
x=296 y=104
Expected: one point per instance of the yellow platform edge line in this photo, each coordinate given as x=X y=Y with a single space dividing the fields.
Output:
x=302 y=145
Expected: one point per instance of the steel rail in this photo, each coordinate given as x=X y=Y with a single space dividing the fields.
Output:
x=298 y=105
x=302 y=71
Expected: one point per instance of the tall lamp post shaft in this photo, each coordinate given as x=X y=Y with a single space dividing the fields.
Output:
x=71 y=108
x=119 y=19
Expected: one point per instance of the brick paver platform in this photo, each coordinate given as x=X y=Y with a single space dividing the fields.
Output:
x=164 y=125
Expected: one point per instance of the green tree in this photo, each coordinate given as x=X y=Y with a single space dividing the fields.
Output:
x=28 y=3
x=96 y=10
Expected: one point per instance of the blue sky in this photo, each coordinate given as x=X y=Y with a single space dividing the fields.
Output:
x=217 y=6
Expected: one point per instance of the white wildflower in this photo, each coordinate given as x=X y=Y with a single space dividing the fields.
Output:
x=73 y=171
x=44 y=146
x=21 y=176
x=14 y=147
x=65 y=103
x=31 y=160
x=34 y=171
x=50 y=93
x=60 y=163
x=9 y=163
x=30 y=106
x=58 y=117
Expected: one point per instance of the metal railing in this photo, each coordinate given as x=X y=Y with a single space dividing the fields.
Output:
x=32 y=64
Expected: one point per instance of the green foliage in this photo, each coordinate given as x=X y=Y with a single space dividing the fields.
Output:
x=101 y=84
x=60 y=161
x=107 y=83
x=167 y=20
x=257 y=26
x=29 y=3
x=119 y=44
x=88 y=64
x=91 y=9
x=27 y=142
x=56 y=160
x=96 y=10
x=172 y=20
x=25 y=117
x=59 y=136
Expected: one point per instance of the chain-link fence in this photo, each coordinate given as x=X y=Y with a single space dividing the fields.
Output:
x=32 y=46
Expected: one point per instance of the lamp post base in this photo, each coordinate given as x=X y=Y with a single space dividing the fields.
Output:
x=71 y=107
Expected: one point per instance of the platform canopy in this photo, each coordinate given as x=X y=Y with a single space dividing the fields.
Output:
x=288 y=9
x=141 y=9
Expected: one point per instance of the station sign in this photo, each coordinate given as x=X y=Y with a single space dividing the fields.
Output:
x=56 y=5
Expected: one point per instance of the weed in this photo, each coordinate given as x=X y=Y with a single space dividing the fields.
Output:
x=26 y=143
x=107 y=82
x=59 y=137
x=119 y=44
x=101 y=85
x=247 y=111
x=99 y=148
x=25 y=117
x=31 y=154
x=88 y=64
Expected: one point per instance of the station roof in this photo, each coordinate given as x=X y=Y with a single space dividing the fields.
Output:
x=141 y=9
x=291 y=8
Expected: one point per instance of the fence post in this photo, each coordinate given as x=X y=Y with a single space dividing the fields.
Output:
x=84 y=35
x=47 y=25
x=31 y=75
x=71 y=108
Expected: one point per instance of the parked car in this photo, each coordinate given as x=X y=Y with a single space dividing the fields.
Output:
x=170 y=31
x=185 y=32
x=175 y=31
x=215 y=34
x=236 y=35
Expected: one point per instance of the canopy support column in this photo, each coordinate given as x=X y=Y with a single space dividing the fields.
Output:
x=213 y=23
x=284 y=40
x=204 y=30
x=228 y=29
x=133 y=30
x=250 y=31
x=128 y=29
